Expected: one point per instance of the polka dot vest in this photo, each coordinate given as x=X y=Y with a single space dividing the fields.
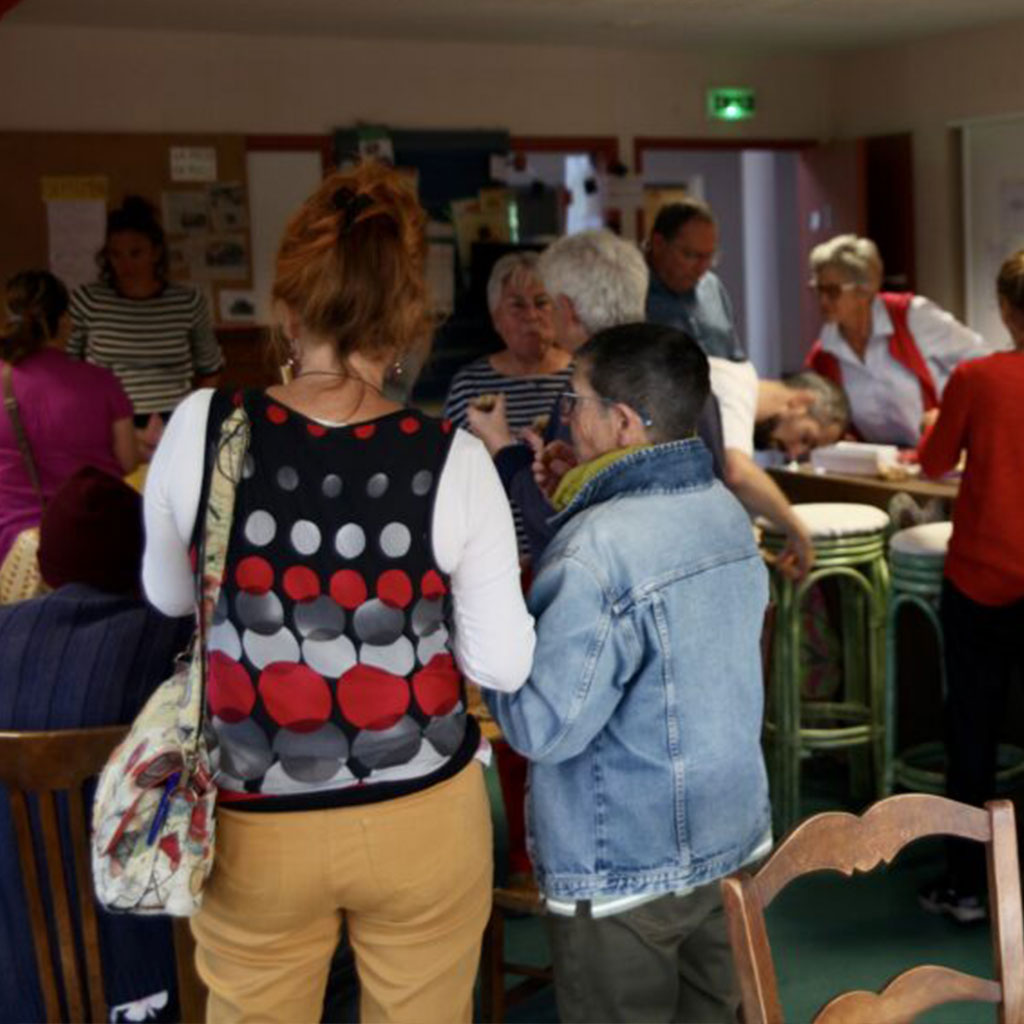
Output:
x=331 y=681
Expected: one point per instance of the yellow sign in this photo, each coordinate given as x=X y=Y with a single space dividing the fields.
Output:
x=83 y=186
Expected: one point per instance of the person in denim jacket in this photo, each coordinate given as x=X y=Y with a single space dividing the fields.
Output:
x=642 y=714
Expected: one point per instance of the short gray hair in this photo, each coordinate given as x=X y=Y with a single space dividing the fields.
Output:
x=510 y=266
x=857 y=259
x=604 y=276
x=830 y=407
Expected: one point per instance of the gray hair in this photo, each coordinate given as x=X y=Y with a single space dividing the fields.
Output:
x=509 y=267
x=830 y=407
x=604 y=276
x=857 y=259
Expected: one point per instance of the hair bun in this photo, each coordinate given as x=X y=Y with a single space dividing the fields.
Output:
x=350 y=205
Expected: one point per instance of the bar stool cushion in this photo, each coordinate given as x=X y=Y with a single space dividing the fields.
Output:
x=831 y=519
x=928 y=539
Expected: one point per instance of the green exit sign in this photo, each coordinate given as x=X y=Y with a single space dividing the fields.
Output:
x=731 y=104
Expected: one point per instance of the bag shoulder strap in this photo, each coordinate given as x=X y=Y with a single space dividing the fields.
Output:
x=11 y=405
x=225 y=473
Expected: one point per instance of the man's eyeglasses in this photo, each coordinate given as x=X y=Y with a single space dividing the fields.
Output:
x=567 y=401
x=831 y=290
x=695 y=256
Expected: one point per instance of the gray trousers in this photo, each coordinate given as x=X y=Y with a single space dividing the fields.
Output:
x=666 y=960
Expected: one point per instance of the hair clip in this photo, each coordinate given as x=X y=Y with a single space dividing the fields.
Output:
x=350 y=205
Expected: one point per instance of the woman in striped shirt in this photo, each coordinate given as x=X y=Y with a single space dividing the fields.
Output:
x=155 y=335
x=528 y=374
x=531 y=371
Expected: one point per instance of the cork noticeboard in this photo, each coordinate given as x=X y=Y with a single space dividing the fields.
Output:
x=132 y=164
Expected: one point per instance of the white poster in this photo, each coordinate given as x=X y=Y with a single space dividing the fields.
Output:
x=76 y=229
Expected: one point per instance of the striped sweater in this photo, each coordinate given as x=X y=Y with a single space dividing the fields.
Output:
x=155 y=346
x=526 y=398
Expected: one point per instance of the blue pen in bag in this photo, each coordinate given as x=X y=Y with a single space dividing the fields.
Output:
x=162 y=808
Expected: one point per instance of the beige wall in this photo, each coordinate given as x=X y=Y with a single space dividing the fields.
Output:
x=94 y=80
x=923 y=87
x=89 y=80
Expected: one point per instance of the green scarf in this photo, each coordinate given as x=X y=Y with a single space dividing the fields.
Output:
x=579 y=476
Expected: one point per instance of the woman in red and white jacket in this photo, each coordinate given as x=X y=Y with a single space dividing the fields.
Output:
x=892 y=352
x=982 y=605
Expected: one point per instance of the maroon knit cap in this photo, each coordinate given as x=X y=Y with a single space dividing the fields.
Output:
x=91 y=532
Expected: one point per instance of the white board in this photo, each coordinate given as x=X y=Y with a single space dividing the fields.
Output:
x=993 y=204
x=279 y=182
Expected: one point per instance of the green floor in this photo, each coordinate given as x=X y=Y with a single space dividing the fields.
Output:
x=830 y=933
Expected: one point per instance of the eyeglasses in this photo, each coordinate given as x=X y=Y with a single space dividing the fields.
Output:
x=567 y=401
x=831 y=290
x=695 y=255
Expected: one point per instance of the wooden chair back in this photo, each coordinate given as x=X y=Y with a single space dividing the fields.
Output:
x=495 y=999
x=847 y=844
x=37 y=767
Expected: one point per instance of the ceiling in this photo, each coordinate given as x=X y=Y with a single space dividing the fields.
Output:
x=661 y=24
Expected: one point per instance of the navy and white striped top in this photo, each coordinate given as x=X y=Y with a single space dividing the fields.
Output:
x=155 y=346
x=526 y=398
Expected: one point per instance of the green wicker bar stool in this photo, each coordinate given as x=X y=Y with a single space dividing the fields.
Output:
x=849 y=541
x=916 y=560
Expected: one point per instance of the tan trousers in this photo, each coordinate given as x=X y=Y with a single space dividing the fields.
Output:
x=412 y=878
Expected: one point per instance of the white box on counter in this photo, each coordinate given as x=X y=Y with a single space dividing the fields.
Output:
x=855 y=458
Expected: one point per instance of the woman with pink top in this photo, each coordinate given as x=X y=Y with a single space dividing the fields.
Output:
x=70 y=414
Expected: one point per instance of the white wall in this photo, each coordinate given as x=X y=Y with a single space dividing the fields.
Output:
x=121 y=80
x=922 y=87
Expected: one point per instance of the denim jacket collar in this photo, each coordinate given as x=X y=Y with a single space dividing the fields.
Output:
x=675 y=466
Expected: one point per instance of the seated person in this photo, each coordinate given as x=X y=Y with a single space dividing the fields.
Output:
x=644 y=705
x=88 y=654
x=891 y=352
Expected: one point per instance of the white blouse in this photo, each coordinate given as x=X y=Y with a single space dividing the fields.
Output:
x=473 y=537
x=885 y=397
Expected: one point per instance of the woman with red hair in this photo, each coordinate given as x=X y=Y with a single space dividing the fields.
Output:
x=372 y=563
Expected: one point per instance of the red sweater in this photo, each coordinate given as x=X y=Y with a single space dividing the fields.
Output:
x=983 y=413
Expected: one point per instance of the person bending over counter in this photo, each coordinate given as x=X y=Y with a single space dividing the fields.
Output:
x=892 y=352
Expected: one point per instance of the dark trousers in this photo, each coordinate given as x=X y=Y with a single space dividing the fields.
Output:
x=984 y=645
x=666 y=960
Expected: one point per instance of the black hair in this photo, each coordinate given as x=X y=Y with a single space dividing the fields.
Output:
x=36 y=300
x=139 y=215
x=672 y=217
x=659 y=371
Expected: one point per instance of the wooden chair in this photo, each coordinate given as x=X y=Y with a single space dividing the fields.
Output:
x=494 y=998
x=42 y=765
x=846 y=843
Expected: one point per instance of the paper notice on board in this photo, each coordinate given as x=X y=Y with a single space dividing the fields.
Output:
x=76 y=229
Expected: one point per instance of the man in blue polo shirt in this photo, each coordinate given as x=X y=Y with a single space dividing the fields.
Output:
x=684 y=291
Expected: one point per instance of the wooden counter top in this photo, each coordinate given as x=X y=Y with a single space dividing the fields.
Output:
x=804 y=485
